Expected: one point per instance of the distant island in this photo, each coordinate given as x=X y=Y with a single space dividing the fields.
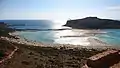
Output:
x=93 y=23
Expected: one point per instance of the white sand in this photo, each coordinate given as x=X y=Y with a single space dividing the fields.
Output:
x=94 y=43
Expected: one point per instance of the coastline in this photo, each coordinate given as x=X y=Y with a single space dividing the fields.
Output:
x=94 y=43
x=48 y=57
x=58 y=56
x=32 y=54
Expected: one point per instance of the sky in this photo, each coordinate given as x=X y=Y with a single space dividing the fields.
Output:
x=59 y=9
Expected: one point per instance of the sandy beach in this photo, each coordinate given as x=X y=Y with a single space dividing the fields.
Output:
x=31 y=54
x=94 y=42
x=48 y=57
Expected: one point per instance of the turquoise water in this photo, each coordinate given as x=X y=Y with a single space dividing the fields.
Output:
x=77 y=37
x=111 y=37
x=56 y=37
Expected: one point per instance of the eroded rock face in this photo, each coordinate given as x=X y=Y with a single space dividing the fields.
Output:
x=104 y=60
x=93 y=23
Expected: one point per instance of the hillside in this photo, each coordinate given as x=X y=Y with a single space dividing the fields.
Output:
x=4 y=30
x=93 y=23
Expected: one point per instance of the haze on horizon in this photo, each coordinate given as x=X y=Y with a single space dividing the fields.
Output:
x=59 y=9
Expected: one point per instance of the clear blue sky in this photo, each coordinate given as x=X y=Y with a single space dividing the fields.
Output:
x=58 y=9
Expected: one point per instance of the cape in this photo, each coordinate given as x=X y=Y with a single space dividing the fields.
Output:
x=93 y=23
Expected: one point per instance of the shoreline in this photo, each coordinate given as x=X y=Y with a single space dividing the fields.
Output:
x=31 y=54
x=48 y=57
x=94 y=43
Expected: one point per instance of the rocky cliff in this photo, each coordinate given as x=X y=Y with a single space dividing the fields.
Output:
x=93 y=23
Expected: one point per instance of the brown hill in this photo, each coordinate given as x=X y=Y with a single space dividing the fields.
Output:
x=93 y=23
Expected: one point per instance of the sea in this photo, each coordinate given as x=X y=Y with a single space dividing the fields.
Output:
x=65 y=36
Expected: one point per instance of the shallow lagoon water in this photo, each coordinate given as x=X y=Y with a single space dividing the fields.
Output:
x=73 y=36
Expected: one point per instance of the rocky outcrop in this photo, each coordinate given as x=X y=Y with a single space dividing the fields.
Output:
x=93 y=23
x=104 y=60
x=4 y=29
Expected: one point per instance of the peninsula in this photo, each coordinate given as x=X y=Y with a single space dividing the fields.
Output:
x=93 y=23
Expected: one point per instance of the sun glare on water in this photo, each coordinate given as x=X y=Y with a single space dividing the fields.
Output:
x=65 y=37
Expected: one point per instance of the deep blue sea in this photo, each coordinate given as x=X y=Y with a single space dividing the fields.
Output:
x=73 y=36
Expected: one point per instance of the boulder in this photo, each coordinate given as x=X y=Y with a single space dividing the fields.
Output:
x=104 y=59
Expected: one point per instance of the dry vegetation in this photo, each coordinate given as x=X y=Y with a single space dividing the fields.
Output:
x=48 y=57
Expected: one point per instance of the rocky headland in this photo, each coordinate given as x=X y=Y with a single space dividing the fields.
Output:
x=93 y=23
